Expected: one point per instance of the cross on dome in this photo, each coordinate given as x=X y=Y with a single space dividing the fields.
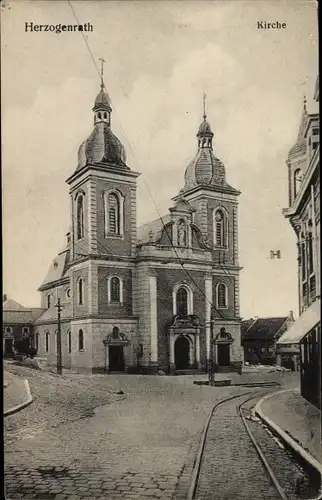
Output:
x=102 y=71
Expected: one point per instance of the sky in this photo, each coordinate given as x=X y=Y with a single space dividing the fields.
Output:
x=160 y=57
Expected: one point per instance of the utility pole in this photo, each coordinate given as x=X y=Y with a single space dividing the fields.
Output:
x=212 y=367
x=59 y=353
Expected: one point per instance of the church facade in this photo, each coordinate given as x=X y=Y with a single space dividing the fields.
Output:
x=142 y=299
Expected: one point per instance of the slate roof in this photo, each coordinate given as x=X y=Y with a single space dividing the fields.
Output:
x=15 y=313
x=57 y=268
x=262 y=328
x=50 y=315
x=154 y=228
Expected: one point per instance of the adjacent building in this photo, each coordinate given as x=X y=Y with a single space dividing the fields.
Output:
x=259 y=337
x=142 y=298
x=303 y=214
x=17 y=323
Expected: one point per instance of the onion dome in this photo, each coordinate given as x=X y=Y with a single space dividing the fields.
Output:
x=205 y=168
x=102 y=101
x=102 y=146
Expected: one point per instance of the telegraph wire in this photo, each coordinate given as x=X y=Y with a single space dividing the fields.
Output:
x=175 y=251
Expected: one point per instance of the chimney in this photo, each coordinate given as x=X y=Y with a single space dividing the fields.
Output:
x=291 y=316
x=4 y=297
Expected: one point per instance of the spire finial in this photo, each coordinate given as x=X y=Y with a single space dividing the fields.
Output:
x=204 y=96
x=102 y=71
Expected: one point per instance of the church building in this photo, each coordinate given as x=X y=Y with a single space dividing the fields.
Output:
x=142 y=299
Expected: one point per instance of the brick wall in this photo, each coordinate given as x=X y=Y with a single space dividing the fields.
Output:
x=116 y=245
x=166 y=280
x=114 y=309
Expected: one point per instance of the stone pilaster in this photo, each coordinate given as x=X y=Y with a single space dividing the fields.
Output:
x=235 y=235
x=133 y=221
x=92 y=216
x=92 y=288
x=236 y=296
x=153 y=319
x=208 y=302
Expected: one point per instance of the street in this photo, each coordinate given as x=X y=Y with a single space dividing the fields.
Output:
x=142 y=444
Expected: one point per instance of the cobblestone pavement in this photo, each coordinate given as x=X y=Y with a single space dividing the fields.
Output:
x=230 y=468
x=141 y=446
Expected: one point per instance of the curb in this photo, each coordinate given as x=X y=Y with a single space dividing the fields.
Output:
x=17 y=408
x=285 y=437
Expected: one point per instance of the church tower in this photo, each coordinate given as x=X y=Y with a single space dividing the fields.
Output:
x=216 y=214
x=102 y=241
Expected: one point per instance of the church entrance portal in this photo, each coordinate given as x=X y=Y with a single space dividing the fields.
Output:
x=116 y=358
x=223 y=354
x=181 y=353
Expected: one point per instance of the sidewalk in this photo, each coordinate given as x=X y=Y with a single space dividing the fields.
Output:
x=296 y=421
x=16 y=393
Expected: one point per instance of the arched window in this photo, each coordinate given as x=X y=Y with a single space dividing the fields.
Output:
x=8 y=330
x=115 y=289
x=46 y=341
x=69 y=341
x=182 y=302
x=113 y=213
x=80 y=340
x=80 y=291
x=297 y=181
x=182 y=297
x=25 y=330
x=99 y=115
x=105 y=116
x=220 y=228
x=182 y=233
x=80 y=217
x=221 y=295
x=49 y=300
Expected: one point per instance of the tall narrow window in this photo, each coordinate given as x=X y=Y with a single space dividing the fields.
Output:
x=80 y=217
x=46 y=341
x=80 y=286
x=69 y=341
x=113 y=214
x=220 y=224
x=297 y=181
x=49 y=300
x=221 y=295
x=182 y=302
x=80 y=340
x=303 y=261
x=115 y=289
x=310 y=254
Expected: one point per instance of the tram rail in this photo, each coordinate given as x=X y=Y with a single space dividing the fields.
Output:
x=247 y=396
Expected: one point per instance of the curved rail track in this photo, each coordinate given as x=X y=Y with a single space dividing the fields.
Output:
x=236 y=469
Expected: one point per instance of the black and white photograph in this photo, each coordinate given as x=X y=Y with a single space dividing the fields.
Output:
x=161 y=250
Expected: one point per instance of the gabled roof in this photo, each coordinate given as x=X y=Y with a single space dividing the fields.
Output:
x=15 y=313
x=262 y=328
x=12 y=305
